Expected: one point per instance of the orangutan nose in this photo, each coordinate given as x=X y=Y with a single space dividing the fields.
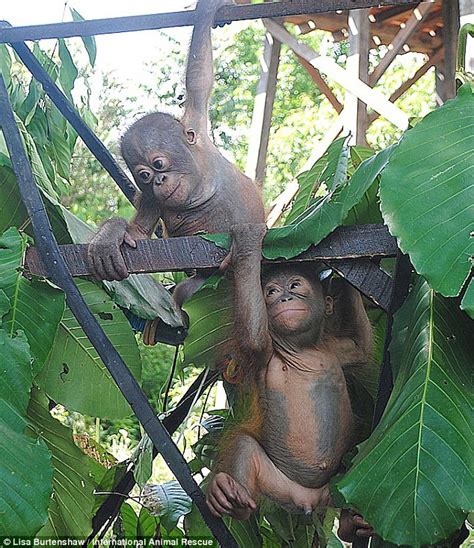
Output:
x=287 y=298
x=160 y=179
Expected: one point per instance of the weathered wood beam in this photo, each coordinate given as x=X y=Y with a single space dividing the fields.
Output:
x=180 y=254
x=355 y=110
x=183 y=18
x=328 y=66
x=262 y=110
x=390 y=13
x=450 y=11
x=321 y=84
x=367 y=277
x=419 y=13
x=435 y=58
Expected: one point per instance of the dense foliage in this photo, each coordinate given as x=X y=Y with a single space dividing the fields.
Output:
x=414 y=468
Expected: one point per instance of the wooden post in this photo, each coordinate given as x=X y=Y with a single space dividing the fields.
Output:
x=262 y=111
x=466 y=8
x=445 y=71
x=355 y=111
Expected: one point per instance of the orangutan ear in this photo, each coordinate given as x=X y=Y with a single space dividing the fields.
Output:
x=191 y=136
x=328 y=306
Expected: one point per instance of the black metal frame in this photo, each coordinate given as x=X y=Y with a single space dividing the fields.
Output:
x=158 y=431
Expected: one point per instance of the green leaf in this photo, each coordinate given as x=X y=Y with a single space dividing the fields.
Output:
x=28 y=107
x=37 y=167
x=12 y=210
x=146 y=298
x=143 y=459
x=246 y=533
x=74 y=375
x=412 y=480
x=25 y=466
x=210 y=323
x=322 y=172
x=147 y=524
x=467 y=303
x=129 y=520
x=427 y=194
x=139 y=293
x=36 y=307
x=70 y=511
x=326 y=214
x=4 y=304
x=168 y=500
x=88 y=41
x=5 y=64
x=13 y=213
x=68 y=71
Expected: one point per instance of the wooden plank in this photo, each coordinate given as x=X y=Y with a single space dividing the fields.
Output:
x=390 y=13
x=418 y=15
x=328 y=66
x=433 y=60
x=262 y=110
x=321 y=84
x=183 y=18
x=355 y=111
x=186 y=253
x=368 y=278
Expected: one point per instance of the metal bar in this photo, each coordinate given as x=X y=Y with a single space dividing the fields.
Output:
x=368 y=278
x=93 y=143
x=188 y=252
x=110 y=508
x=119 y=371
x=184 y=18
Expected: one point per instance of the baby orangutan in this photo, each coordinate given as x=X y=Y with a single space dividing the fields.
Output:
x=302 y=422
x=183 y=179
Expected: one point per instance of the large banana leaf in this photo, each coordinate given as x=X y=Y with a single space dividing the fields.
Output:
x=13 y=212
x=35 y=307
x=72 y=503
x=325 y=214
x=329 y=212
x=210 y=323
x=324 y=171
x=427 y=194
x=74 y=375
x=139 y=293
x=25 y=466
x=412 y=479
x=246 y=533
x=467 y=302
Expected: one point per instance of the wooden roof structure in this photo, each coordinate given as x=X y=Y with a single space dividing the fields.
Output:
x=384 y=25
x=429 y=27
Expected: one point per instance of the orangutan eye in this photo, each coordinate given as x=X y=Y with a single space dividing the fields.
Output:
x=158 y=164
x=144 y=175
x=294 y=285
x=271 y=291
